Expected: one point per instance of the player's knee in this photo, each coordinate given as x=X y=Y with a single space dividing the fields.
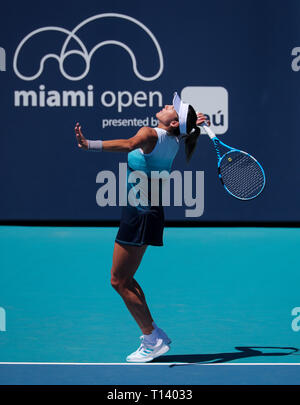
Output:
x=115 y=283
x=120 y=285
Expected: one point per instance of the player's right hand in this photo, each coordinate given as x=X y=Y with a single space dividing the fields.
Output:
x=201 y=118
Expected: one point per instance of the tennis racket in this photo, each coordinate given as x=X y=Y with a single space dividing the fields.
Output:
x=240 y=173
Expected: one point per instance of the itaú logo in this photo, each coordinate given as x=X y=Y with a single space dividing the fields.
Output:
x=83 y=51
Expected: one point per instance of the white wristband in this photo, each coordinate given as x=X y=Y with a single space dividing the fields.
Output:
x=95 y=146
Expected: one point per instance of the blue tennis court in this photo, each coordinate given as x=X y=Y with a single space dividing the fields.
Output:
x=229 y=316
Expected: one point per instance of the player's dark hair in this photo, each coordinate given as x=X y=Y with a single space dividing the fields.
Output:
x=193 y=132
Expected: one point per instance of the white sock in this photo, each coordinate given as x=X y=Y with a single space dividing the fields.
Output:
x=154 y=325
x=160 y=332
x=151 y=339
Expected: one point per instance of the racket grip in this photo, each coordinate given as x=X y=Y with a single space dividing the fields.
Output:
x=207 y=129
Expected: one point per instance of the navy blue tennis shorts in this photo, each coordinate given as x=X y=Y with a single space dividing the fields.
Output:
x=141 y=227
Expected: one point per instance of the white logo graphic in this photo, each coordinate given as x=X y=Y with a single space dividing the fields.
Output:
x=212 y=101
x=2 y=320
x=87 y=56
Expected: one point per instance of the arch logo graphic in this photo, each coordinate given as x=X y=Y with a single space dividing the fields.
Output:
x=83 y=51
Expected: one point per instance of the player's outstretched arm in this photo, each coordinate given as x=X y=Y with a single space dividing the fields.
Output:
x=142 y=137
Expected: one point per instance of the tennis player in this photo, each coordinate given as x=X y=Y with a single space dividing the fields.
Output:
x=151 y=149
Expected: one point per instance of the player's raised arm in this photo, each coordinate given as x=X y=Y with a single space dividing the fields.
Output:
x=140 y=140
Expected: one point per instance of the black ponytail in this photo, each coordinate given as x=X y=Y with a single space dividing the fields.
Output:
x=193 y=132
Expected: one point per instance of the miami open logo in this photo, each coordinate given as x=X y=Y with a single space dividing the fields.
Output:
x=86 y=54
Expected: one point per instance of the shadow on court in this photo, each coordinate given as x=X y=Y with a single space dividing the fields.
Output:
x=243 y=352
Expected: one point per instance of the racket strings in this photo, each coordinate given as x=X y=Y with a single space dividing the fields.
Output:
x=241 y=175
x=245 y=183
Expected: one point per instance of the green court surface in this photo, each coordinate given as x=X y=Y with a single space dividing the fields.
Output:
x=221 y=294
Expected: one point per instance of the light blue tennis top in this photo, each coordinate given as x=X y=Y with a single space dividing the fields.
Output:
x=161 y=157
x=156 y=164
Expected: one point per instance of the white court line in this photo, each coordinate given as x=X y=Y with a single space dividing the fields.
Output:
x=151 y=364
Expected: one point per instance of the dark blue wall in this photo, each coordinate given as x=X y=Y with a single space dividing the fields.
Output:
x=243 y=46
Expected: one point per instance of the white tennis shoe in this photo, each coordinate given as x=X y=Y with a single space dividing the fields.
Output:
x=147 y=352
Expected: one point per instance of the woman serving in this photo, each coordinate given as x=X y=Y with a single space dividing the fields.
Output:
x=151 y=149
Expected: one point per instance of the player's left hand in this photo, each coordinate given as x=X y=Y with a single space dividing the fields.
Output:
x=82 y=142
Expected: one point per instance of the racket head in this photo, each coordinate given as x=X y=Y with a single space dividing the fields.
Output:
x=241 y=174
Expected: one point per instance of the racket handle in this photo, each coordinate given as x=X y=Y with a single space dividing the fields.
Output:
x=207 y=129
